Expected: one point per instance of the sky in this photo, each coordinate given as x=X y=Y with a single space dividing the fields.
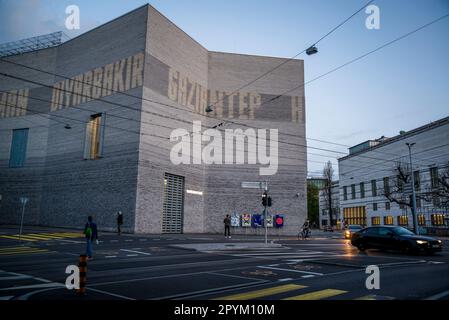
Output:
x=400 y=87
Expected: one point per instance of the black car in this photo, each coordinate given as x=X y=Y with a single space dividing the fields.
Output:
x=394 y=238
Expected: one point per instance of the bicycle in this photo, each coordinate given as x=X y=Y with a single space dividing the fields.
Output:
x=304 y=233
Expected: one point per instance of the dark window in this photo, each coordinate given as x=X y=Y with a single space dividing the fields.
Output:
x=400 y=184
x=417 y=179
x=353 y=191
x=384 y=231
x=374 y=206
x=371 y=231
x=374 y=188
x=387 y=206
x=18 y=148
x=434 y=177
x=345 y=193
x=386 y=185
x=362 y=190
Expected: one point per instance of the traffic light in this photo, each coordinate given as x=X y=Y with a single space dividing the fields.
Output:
x=264 y=199
x=269 y=202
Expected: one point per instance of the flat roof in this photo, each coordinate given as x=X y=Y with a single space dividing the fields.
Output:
x=424 y=128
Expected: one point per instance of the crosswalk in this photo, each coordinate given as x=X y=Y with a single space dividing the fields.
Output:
x=33 y=237
x=297 y=292
x=22 y=250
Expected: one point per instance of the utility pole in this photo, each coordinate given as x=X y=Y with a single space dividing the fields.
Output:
x=265 y=212
x=415 y=217
x=24 y=201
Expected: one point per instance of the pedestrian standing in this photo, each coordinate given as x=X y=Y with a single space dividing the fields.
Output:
x=227 y=225
x=119 y=222
x=91 y=233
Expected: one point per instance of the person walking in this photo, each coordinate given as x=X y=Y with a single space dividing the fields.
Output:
x=119 y=223
x=227 y=225
x=91 y=233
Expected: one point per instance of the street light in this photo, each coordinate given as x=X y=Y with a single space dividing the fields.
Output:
x=415 y=218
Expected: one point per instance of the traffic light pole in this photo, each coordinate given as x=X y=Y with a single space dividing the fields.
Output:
x=265 y=213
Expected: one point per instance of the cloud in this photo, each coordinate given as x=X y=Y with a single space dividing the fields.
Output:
x=28 y=18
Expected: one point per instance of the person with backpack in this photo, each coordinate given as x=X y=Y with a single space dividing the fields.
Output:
x=119 y=222
x=91 y=232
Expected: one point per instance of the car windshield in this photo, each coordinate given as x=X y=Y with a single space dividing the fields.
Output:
x=402 y=231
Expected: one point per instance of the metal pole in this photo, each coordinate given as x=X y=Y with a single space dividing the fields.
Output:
x=21 y=222
x=415 y=216
x=265 y=214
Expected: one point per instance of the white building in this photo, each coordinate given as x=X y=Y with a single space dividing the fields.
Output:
x=369 y=174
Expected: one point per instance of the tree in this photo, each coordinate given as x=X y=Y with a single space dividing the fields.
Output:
x=313 y=203
x=328 y=175
x=400 y=191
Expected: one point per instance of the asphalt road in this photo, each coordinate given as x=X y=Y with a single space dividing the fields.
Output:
x=193 y=267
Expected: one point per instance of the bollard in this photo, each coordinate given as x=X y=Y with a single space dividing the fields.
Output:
x=82 y=265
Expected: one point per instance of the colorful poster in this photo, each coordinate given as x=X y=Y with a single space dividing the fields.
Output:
x=246 y=220
x=257 y=221
x=235 y=220
x=278 y=221
x=270 y=221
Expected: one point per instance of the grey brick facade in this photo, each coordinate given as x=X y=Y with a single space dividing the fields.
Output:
x=64 y=187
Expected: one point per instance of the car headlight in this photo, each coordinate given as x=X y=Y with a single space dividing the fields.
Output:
x=440 y=242
x=421 y=242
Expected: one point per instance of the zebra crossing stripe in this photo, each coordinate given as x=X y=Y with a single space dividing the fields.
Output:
x=263 y=293
x=13 y=237
x=317 y=295
x=24 y=252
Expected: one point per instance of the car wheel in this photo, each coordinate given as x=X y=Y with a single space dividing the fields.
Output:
x=361 y=247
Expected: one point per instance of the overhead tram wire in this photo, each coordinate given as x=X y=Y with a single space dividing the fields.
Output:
x=325 y=74
x=349 y=62
x=362 y=56
x=119 y=105
x=295 y=56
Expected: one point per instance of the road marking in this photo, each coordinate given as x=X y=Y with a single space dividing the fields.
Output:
x=290 y=270
x=21 y=250
x=114 y=240
x=308 y=276
x=317 y=295
x=110 y=293
x=17 y=238
x=34 y=286
x=6 y=297
x=262 y=293
x=285 y=279
x=129 y=240
x=139 y=252
x=438 y=296
x=15 y=278
x=132 y=255
x=107 y=257
x=374 y=297
x=142 y=239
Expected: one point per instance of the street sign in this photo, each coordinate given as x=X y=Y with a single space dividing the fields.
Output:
x=246 y=220
x=257 y=221
x=253 y=185
x=269 y=221
x=279 y=221
x=235 y=220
